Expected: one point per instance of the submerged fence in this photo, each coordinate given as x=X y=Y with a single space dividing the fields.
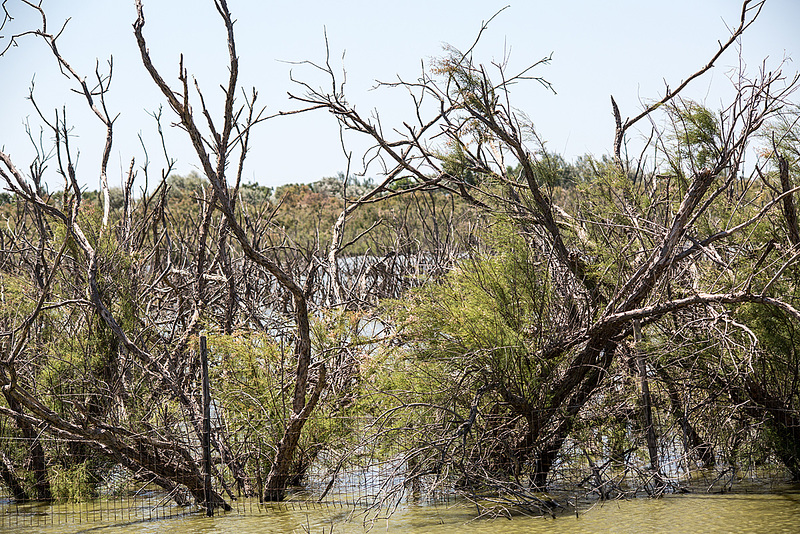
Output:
x=358 y=473
x=347 y=458
x=101 y=491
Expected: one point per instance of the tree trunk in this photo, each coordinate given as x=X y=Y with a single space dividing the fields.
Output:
x=692 y=443
x=281 y=471
x=647 y=411
x=592 y=375
x=36 y=461
x=789 y=210
x=784 y=423
x=11 y=480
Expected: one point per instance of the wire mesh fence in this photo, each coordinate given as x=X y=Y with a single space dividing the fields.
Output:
x=366 y=448
x=362 y=466
x=98 y=489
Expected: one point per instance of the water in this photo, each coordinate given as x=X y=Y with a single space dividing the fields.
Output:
x=744 y=513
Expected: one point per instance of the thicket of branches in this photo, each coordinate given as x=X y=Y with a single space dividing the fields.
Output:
x=534 y=314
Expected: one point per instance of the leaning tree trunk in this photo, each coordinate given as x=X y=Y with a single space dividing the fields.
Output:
x=36 y=458
x=647 y=411
x=783 y=421
x=692 y=442
x=10 y=479
x=222 y=147
x=281 y=471
x=589 y=375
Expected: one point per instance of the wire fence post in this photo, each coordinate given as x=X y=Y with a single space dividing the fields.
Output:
x=206 y=426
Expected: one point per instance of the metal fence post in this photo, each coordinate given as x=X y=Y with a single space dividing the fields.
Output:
x=206 y=426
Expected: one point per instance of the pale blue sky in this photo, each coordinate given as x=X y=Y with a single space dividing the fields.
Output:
x=626 y=48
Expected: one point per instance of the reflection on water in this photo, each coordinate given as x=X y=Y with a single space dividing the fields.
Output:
x=746 y=513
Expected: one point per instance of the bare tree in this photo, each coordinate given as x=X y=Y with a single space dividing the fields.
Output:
x=83 y=263
x=230 y=135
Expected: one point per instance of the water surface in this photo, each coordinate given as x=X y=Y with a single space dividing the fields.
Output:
x=693 y=513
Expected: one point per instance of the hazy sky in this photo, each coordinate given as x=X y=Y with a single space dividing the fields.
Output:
x=626 y=48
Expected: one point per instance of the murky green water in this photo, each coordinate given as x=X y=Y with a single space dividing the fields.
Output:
x=694 y=513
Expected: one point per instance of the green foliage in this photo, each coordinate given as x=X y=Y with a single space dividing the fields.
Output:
x=456 y=164
x=73 y=484
x=252 y=368
x=252 y=381
x=334 y=186
x=481 y=324
x=16 y=296
x=552 y=170
x=697 y=134
x=783 y=133
x=466 y=84
x=490 y=301
x=191 y=184
x=253 y=194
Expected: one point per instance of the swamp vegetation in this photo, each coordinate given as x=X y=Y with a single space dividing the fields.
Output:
x=469 y=311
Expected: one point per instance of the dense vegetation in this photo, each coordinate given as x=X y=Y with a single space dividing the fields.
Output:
x=493 y=329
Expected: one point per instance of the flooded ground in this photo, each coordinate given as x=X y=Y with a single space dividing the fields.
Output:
x=691 y=513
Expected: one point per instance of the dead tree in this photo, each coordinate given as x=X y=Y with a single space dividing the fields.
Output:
x=232 y=133
x=84 y=262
